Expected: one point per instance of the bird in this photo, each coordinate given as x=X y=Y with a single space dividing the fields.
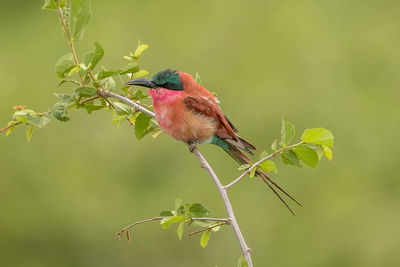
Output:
x=188 y=112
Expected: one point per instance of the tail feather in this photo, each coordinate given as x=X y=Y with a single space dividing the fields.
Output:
x=239 y=157
x=242 y=144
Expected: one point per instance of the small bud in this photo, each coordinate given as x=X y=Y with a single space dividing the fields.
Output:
x=19 y=107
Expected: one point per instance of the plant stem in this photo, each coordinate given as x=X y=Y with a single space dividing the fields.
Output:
x=139 y=222
x=228 y=206
x=258 y=163
x=222 y=191
x=159 y=218
x=127 y=101
x=70 y=40
x=207 y=228
x=9 y=126
x=88 y=99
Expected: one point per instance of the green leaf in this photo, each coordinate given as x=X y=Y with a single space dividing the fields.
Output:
x=81 y=12
x=11 y=129
x=64 y=65
x=202 y=223
x=253 y=172
x=141 y=48
x=205 y=237
x=68 y=81
x=287 y=132
x=73 y=71
x=242 y=262
x=107 y=73
x=130 y=68
x=60 y=111
x=290 y=158
x=141 y=125
x=122 y=108
x=86 y=91
x=92 y=59
x=328 y=152
x=273 y=145
x=318 y=136
x=179 y=230
x=178 y=203
x=199 y=210
x=166 y=213
x=39 y=121
x=268 y=165
x=20 y=115
x=65 y=97
x=29 y=133
x=193 y=210
x=244 y=167
x=108 y=84
x=52 y=4
x=34 y=120
x=307 y=155
x=167 y=221
x=140 y=73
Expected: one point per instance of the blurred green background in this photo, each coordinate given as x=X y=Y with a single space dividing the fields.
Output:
x=316 y=63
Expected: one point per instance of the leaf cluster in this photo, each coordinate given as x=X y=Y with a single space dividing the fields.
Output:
x=88 y=79
x=184 y=214
x=315 y=143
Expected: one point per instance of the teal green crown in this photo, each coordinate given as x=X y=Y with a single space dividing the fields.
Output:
x=168 y=79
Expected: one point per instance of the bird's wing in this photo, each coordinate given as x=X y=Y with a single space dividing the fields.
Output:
x=209 y=108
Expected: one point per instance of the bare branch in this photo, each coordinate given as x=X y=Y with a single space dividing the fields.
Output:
x=127 y=101
x=258 y=163
x=219 y=220
x=139 y=222
x=245 y=249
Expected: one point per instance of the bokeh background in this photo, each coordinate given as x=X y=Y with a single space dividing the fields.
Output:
x=316 y=63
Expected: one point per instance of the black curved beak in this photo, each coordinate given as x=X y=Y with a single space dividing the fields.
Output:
x=142 y=82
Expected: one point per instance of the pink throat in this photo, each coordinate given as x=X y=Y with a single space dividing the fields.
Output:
x=164 y=96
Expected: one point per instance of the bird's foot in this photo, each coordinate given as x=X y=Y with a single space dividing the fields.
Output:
x=192 y=145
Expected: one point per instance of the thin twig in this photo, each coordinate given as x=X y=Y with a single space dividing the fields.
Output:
x=139 y=222
x=9 y=126
x=70 y=41
x=88 y=99
x=258 y=163
x=210 y=219
x=220 y=220
x=207 y=228
x=109 y=102
x=228 y=206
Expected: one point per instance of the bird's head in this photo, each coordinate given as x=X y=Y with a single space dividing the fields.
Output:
x=167 y=79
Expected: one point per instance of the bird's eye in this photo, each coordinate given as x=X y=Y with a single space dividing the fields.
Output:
x=167 y=84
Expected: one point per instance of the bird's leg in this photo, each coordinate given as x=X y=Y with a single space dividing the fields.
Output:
x=192 y=144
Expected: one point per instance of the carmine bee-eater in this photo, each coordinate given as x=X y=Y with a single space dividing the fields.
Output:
x=190 y=113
